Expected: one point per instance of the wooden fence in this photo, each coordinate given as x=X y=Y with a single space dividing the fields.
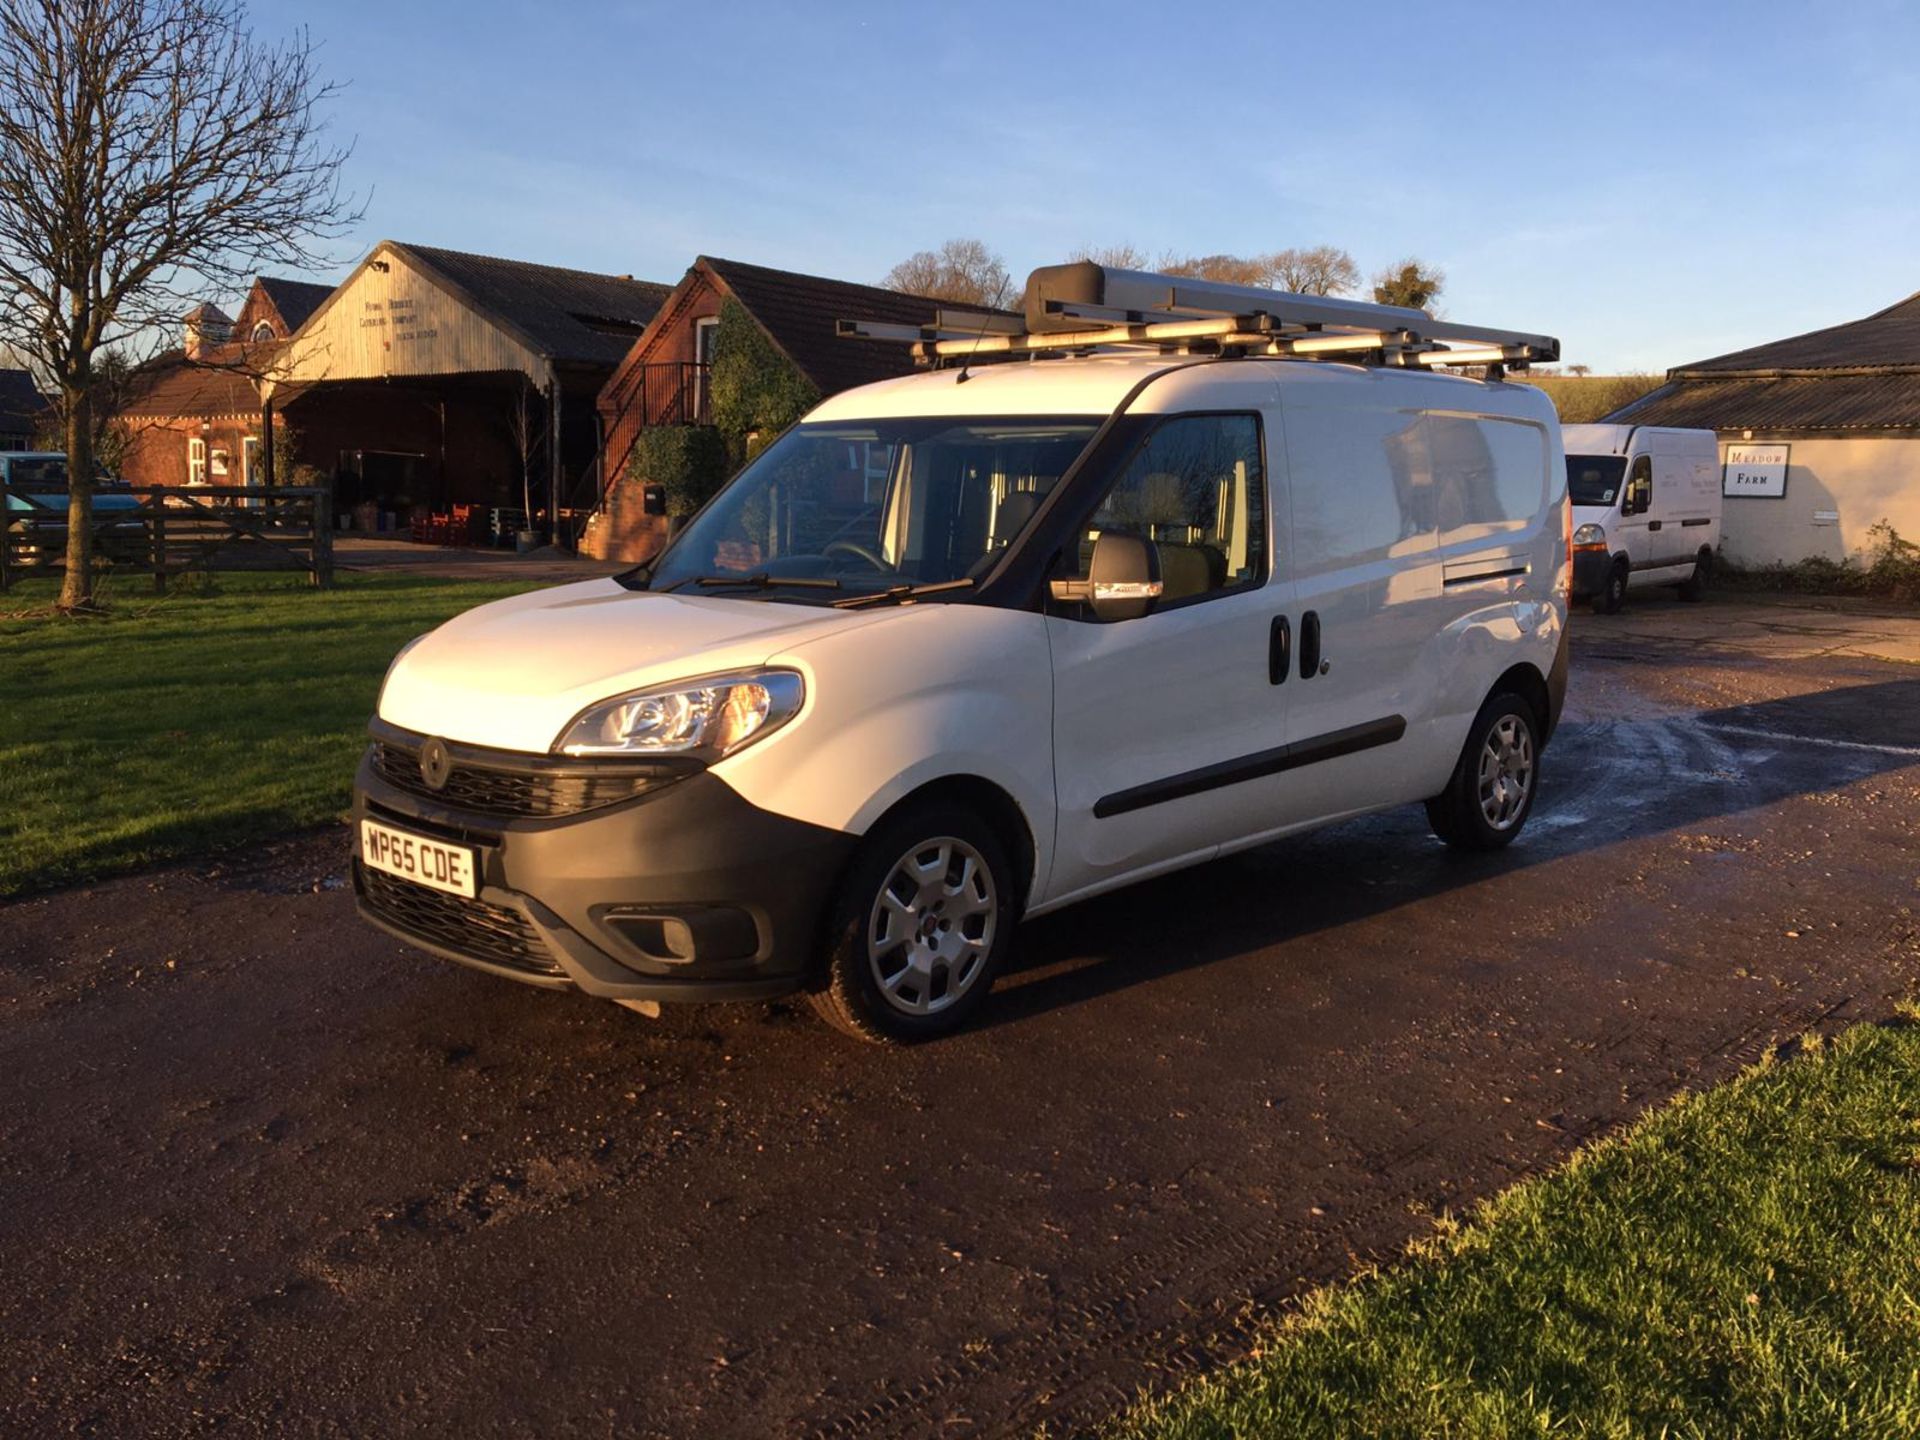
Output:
x=173 y=530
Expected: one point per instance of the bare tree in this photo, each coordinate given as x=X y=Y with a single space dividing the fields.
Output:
x=1227 y=269
x=1314 y=270
x=526 y=432
x=965 y=272
x=1409 y=282
x=1116 y=257
x=151 y=152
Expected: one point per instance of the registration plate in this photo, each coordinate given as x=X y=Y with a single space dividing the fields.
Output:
x=432 y=863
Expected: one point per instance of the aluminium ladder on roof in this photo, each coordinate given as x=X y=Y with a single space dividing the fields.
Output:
x=1084 y=306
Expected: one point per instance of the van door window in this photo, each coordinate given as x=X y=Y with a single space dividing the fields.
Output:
x=1639 y=497
x=1196 y=488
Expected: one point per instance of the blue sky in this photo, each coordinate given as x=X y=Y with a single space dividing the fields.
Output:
x=1653 y=183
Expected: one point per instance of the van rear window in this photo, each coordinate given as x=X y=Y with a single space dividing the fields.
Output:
x=1374 y=483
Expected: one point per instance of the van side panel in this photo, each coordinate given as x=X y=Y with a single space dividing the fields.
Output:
x=1500 y=606
x=1428 y=536
x=1364 y=565
x=1685 y=517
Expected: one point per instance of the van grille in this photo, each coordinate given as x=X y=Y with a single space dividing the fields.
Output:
x=473 y=928
x=518 y=791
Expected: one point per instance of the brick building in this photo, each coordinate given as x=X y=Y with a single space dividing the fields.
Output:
x=663 y=378
x=426 y=380
x=195 y=415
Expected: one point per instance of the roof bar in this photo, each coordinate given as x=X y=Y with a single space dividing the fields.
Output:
x=1086 y=283
x=977 y=321
x=1066 y=303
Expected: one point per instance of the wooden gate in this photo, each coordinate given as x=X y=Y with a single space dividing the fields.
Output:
x=172 y=530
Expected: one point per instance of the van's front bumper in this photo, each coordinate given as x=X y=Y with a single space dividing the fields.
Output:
x=1590 y=571
x=687 y=893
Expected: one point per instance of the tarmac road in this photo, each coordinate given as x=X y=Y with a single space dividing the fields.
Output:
x=264 y=1170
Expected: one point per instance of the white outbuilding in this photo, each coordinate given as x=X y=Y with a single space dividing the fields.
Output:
x=1819 y=435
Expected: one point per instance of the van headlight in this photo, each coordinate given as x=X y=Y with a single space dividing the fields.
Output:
x=712 y=717
x=1590 y=537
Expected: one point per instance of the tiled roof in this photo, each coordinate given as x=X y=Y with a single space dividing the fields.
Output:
x=1888 y=400
x=570 y=315
x=172 y=386
x=799 y=312
x=294 y=299
x=1887 y=337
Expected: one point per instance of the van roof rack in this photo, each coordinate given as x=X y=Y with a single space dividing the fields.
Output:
x=1085 y=307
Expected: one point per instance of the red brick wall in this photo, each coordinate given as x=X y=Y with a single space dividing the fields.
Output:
x=636 y=398
x=157 y=450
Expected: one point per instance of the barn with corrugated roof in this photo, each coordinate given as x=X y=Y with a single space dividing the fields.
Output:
x=1819 y=435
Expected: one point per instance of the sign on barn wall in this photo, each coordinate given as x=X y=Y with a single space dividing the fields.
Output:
x=391 y=320
x=1755 y=471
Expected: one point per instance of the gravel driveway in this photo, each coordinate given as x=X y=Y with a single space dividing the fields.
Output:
x=267 y=1171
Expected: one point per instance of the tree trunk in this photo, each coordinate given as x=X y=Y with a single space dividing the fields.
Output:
x=76 y=587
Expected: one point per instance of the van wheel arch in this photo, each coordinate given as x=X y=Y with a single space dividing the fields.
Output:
x=1694 y=587
x=1530 y=685
x=1000 y=811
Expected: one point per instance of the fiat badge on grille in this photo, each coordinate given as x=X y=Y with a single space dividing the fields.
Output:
x=436 y=765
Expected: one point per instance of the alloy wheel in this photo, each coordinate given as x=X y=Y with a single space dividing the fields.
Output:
x=1506 y=772
x=931 y=927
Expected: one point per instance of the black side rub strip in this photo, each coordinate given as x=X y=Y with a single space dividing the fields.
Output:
x=1252 y=767
x=1478 y=576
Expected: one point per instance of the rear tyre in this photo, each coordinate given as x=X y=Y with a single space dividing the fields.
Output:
x=1490 y=796
x=920 y=927
x=1694 y=587
x=1614 y=594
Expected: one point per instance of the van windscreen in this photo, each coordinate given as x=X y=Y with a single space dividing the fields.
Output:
x=861 y=507
x=1595 y=479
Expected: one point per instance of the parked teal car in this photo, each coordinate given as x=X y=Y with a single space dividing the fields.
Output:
x=35 y=486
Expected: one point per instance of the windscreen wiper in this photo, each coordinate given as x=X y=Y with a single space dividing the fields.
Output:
x=902 y=594
x=758 y=580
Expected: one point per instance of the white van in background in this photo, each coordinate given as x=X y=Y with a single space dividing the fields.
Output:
x=1646 y=509
x=981 y=642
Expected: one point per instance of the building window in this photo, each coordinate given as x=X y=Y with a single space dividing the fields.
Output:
x=263 y=331
x=196 y=461
x=250 y=470
x=705 y=331
x=218 y=467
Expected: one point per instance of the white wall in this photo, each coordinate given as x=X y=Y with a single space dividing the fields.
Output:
x=1859 y=480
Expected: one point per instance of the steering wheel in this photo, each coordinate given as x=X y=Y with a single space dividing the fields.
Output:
x=854 y=547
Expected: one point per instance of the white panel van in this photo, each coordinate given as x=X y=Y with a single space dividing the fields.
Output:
x=973 y=645
x=1646 y=509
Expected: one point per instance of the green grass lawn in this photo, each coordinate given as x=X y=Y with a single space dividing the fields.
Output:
x=1745 y=1262
x=191 y=723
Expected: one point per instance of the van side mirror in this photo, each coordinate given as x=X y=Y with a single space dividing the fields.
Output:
x=1122 y=581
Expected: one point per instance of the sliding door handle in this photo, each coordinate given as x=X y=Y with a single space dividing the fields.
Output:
x=1279 y=650
x=1309 y=644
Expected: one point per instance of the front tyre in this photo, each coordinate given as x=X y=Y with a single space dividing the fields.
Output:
x=1490 y=795
x=1614 y=594
x=920 y=927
